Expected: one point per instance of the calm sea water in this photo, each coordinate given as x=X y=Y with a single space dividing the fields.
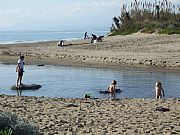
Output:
x=74 y=82
x=12 y=37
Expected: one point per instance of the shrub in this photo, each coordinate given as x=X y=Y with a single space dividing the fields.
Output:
x=169 y=31
x=6 y=132
x=130 y=30
x=9 y=121
x=148 y=16
x=148 y=30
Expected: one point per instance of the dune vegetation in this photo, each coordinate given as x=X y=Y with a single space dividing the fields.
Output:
x=162 y=17
x=10 y=124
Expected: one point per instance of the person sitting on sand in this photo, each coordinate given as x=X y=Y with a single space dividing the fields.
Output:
x=94 y=38
x=61 y=43
x=20 y=70
x=159 y=90
x=99 y=39
x=112 y=87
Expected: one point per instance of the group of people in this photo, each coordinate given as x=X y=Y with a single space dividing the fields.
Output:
x=159 y=91
x=94 y=38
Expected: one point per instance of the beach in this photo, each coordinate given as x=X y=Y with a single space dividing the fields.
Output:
x=58 y=116
x=149 y=51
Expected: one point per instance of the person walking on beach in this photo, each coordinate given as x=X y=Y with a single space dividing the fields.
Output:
x=85 y=35
x=112 y=87
x=20 y=70
x=159 y=90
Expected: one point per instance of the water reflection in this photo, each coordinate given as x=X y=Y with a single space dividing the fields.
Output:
x=19 y=92
x=74 y=82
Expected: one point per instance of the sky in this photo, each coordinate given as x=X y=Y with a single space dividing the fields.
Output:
x=59 y=14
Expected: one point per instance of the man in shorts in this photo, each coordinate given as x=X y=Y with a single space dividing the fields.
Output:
x=20 y=70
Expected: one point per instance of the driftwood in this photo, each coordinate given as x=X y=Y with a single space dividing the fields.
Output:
x=26 y=87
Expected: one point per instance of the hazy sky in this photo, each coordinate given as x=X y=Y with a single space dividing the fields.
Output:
x=58 y=14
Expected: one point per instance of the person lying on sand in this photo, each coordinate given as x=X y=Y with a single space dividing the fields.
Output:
x=112 y=87
x=159 y=90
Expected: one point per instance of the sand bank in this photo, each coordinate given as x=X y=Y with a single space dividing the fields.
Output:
x=101 y=116
x=137 y=50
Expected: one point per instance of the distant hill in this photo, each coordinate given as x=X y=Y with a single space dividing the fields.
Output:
x=162 y=17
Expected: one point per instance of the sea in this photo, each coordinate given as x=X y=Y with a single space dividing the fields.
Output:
x=14 y=37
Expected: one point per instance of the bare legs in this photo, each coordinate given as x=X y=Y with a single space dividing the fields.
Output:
x=19 y=80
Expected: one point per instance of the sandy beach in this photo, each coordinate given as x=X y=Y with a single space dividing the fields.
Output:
x=59 y=116
x=138 y=50
x=96 y=116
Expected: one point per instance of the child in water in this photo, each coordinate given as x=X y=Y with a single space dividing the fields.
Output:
x=112 y=87
x=159 y=90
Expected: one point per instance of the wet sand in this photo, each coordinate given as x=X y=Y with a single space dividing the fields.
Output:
x=60 y=116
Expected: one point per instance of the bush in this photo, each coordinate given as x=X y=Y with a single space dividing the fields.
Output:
x=9 y=121
x=148 y=30
x=148 y=17
x=126 y=31
x=6 y=132
x=169 y=31
x=114 y=33
x=130 y=30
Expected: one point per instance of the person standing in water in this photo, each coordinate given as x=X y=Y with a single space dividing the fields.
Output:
x=20 y=70
x=159 y=90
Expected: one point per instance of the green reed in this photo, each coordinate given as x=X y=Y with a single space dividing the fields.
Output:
x=146 y=15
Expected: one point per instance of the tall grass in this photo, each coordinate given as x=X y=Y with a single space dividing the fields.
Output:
x=148 y=16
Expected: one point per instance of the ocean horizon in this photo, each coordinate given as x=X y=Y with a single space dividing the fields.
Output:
x=15 y=37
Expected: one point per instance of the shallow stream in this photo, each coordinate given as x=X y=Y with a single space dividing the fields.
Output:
x=74 y=82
